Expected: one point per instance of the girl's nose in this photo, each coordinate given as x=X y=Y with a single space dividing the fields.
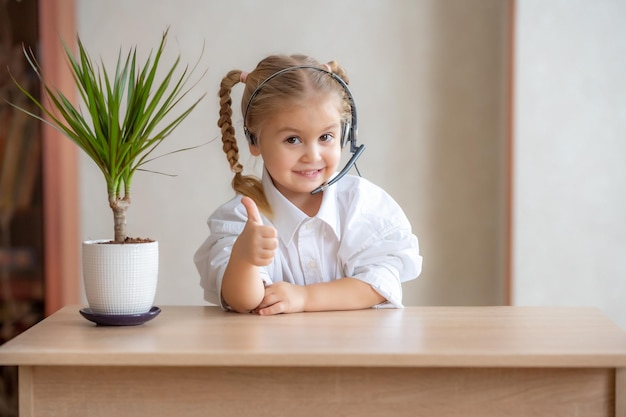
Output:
x=312 y=152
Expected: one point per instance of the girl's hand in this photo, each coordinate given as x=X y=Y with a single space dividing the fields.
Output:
x=257 y=243
x=282 y=297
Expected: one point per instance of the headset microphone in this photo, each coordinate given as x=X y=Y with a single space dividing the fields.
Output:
x=355 y=155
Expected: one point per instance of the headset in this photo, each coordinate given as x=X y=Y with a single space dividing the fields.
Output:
x=349 y=129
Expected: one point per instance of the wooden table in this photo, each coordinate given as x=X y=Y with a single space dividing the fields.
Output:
x=422 y=361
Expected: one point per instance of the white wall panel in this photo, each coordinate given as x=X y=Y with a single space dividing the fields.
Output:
x=570 y=174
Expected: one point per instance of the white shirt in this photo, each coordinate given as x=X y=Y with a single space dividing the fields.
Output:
x=359 y=232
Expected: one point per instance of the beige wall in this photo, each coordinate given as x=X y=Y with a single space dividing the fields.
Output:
x=429 y=80
x=570 y=176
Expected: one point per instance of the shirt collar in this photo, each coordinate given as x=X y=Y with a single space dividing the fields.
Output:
x=287 y=217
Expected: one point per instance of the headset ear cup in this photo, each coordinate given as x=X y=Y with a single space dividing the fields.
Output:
x=251 y=138
x=345 y=133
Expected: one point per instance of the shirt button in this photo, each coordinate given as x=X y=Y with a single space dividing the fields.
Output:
x=311 y=264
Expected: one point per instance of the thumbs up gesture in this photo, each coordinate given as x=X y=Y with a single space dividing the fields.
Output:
x=257 y=243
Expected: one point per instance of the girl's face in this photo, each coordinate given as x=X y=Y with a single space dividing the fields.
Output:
x=301 y=147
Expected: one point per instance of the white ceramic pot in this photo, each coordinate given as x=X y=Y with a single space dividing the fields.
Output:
x=120 y=278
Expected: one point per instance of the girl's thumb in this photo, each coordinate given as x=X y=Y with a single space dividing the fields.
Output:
x=252 y=210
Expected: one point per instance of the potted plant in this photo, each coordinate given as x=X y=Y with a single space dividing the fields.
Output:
x=126 y=115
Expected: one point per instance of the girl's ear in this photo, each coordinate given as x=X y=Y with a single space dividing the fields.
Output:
x=254 y=148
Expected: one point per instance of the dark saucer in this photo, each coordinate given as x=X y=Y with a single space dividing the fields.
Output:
x=119 y=319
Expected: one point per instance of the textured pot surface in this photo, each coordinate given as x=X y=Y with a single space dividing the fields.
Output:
x=120 y=278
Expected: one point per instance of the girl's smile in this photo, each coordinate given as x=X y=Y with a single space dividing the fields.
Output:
x=311 y=174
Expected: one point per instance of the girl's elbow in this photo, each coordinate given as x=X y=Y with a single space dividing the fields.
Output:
x=244 y=302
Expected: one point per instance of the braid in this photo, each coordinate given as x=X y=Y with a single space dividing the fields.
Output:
x=242 y=184
x=229 y=142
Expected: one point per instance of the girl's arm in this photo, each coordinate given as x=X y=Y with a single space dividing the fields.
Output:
x=341 y=294
x=242 y=286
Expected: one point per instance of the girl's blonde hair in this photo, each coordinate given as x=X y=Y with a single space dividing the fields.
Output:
x=287 y=87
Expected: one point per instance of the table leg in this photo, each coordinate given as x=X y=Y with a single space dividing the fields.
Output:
x=620 y=392
x=26 y=399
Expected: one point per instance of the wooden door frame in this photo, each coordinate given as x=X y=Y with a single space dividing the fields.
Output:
x=57 y=21
x=509 y=257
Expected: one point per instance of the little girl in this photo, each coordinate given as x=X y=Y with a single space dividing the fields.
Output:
x=280 y=246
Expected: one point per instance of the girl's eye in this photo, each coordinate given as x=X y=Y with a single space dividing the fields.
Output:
x=326 y=137
x=293 y=140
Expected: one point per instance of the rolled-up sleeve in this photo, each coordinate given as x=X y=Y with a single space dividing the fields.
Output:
x=378 y=245
x=385 y=261
x=212 y=257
